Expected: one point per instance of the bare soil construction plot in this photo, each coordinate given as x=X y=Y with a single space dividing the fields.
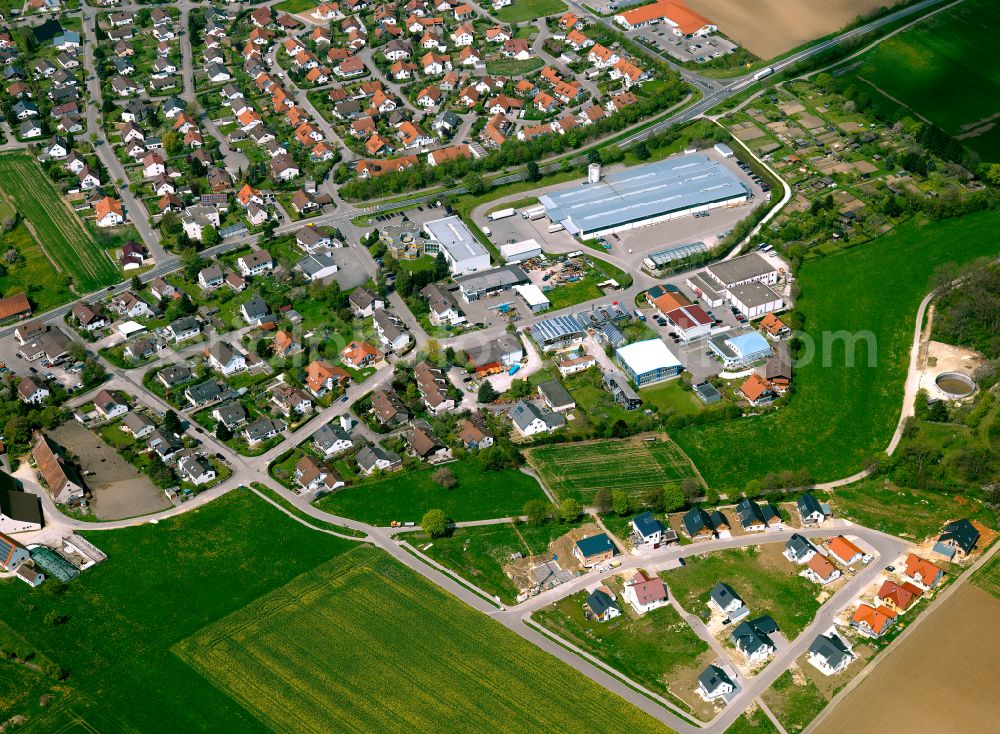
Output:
x=961 y=634
x=119 y=489
x=771 y=27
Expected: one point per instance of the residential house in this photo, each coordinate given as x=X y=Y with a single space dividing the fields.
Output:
x=262 y=429
x=756 y=516
x=821 y=571
x=871 y=621
x=529 y=420
x=203 y=392
x=602 y=605
x=196 y=469
x=375 y=458
x=232 y=414
x=224 y=359
x=425 y=445
x=60 y=476
x=753 y=639
x=322 y=377
x=32 y=392
x=723 y=599
x=312 y=475
x=255 y=263
x=922 y=573
x=896 y=597
x=332 y=439
x=555 y=396
x=798 y=549
x=255 y=311
x=474 y=437
x=108 y=406
x=388 y=408
x=714 y=683
x=645 y=593
x=829 y=653
x=593 y=550
x=433 y=385
x=845 y=551
x=184 y=328
x=360 y=355
x=364 y=303
x=959 y=537
x=810 y=510
x=647 y=530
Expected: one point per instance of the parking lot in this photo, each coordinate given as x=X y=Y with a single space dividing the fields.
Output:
x=694 y=49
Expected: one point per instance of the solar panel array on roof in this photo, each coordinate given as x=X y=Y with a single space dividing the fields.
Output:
x=555 y=328
x=644 y=192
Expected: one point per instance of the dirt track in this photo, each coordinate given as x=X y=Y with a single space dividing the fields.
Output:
x=944 y=674
x=771 y=27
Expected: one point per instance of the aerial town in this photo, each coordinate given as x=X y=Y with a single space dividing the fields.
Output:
x=519 y=365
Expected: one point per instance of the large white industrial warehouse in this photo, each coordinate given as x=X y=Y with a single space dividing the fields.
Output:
x=645 y=195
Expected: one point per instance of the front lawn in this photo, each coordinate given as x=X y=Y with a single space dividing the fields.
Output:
x=480 y=553
x=407 y=495
x=651 y=650
x=764 y=579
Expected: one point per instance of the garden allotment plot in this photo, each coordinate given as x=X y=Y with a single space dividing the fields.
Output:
x=66 y=241
x=581 y=469
x=362 y=644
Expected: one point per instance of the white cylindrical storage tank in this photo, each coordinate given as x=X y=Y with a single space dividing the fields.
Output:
x=593 y=173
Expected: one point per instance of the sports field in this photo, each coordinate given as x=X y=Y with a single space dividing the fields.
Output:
x=842 y=414
x=944 y=70
x=73 y=249
x=346 y=629
x=581 y=469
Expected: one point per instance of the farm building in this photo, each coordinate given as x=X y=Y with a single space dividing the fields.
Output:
x=19 y=511
x=644 y=195
x=648 y=362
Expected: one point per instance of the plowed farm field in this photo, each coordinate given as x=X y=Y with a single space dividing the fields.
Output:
x=66 y=241
x=363 y=644
x=634 y=465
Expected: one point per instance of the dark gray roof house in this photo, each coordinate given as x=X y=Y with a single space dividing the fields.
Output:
x=725 y=598
x=174 y=374
x=754 y=514
x=753 y=637
x=203 y=392
x=959 y=535
x=600 y=603
x=231 y=414
x=831 y=650
x=698 y=522
x=799 y=549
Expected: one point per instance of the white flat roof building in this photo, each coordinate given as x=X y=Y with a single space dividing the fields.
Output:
x=129 y=328
x=464 y=253
x=533 y=296
x=648 y=361
x=645 y=195
x=516 y=252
